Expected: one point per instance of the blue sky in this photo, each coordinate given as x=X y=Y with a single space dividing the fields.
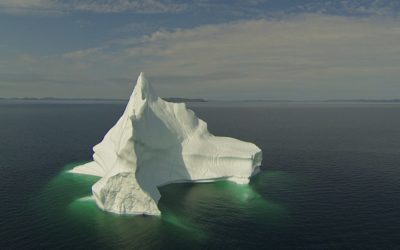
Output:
x=256 y=49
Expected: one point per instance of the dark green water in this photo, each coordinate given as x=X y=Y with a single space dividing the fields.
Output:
x=330 y=179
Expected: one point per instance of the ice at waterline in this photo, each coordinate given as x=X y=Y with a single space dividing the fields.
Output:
x=156 y=142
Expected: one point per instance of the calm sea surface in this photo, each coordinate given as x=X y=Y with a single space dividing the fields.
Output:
x=330 y=180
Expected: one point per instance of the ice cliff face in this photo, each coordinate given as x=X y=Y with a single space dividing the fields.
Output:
x=155 y=143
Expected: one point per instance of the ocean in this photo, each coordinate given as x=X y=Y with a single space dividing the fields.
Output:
x=330 y=180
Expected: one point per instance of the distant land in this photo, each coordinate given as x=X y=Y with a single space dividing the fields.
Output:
x=178 y=99
x=331 y=100
x=364 y=100
x=170 y=99
x=182 y=99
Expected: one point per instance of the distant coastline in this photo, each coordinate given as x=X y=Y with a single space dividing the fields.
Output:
x=195 y=100
x=366 y=100
x=170 y=99
x=330 y=100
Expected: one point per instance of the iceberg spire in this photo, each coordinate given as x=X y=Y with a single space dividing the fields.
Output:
x=156 y=143
x=143 y=89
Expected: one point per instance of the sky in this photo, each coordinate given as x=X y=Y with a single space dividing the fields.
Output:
x=216 y=50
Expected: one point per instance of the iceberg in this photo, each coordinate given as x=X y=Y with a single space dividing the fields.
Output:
x=155 y=143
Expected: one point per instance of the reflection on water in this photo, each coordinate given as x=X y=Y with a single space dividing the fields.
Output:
x=189 y=211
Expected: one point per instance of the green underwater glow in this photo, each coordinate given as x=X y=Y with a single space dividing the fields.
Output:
x=189 y=210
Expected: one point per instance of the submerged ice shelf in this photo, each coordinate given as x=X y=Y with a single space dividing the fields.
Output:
x=155 y=143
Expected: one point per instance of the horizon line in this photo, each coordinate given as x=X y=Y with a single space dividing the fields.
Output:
x=186 y=99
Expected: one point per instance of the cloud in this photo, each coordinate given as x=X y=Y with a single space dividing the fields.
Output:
x=32 y=79
x=218 y=10
x=307 y=56
x=78 y=54
x=350 y=7
x=299 y=57
x=97 y=6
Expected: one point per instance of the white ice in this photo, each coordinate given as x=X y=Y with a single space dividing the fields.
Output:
x=156 y=142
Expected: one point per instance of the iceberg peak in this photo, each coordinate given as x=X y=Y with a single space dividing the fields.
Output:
x=143 y=89
x=155 y=143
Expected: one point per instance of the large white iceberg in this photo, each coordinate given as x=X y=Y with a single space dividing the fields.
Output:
x=156 y=142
